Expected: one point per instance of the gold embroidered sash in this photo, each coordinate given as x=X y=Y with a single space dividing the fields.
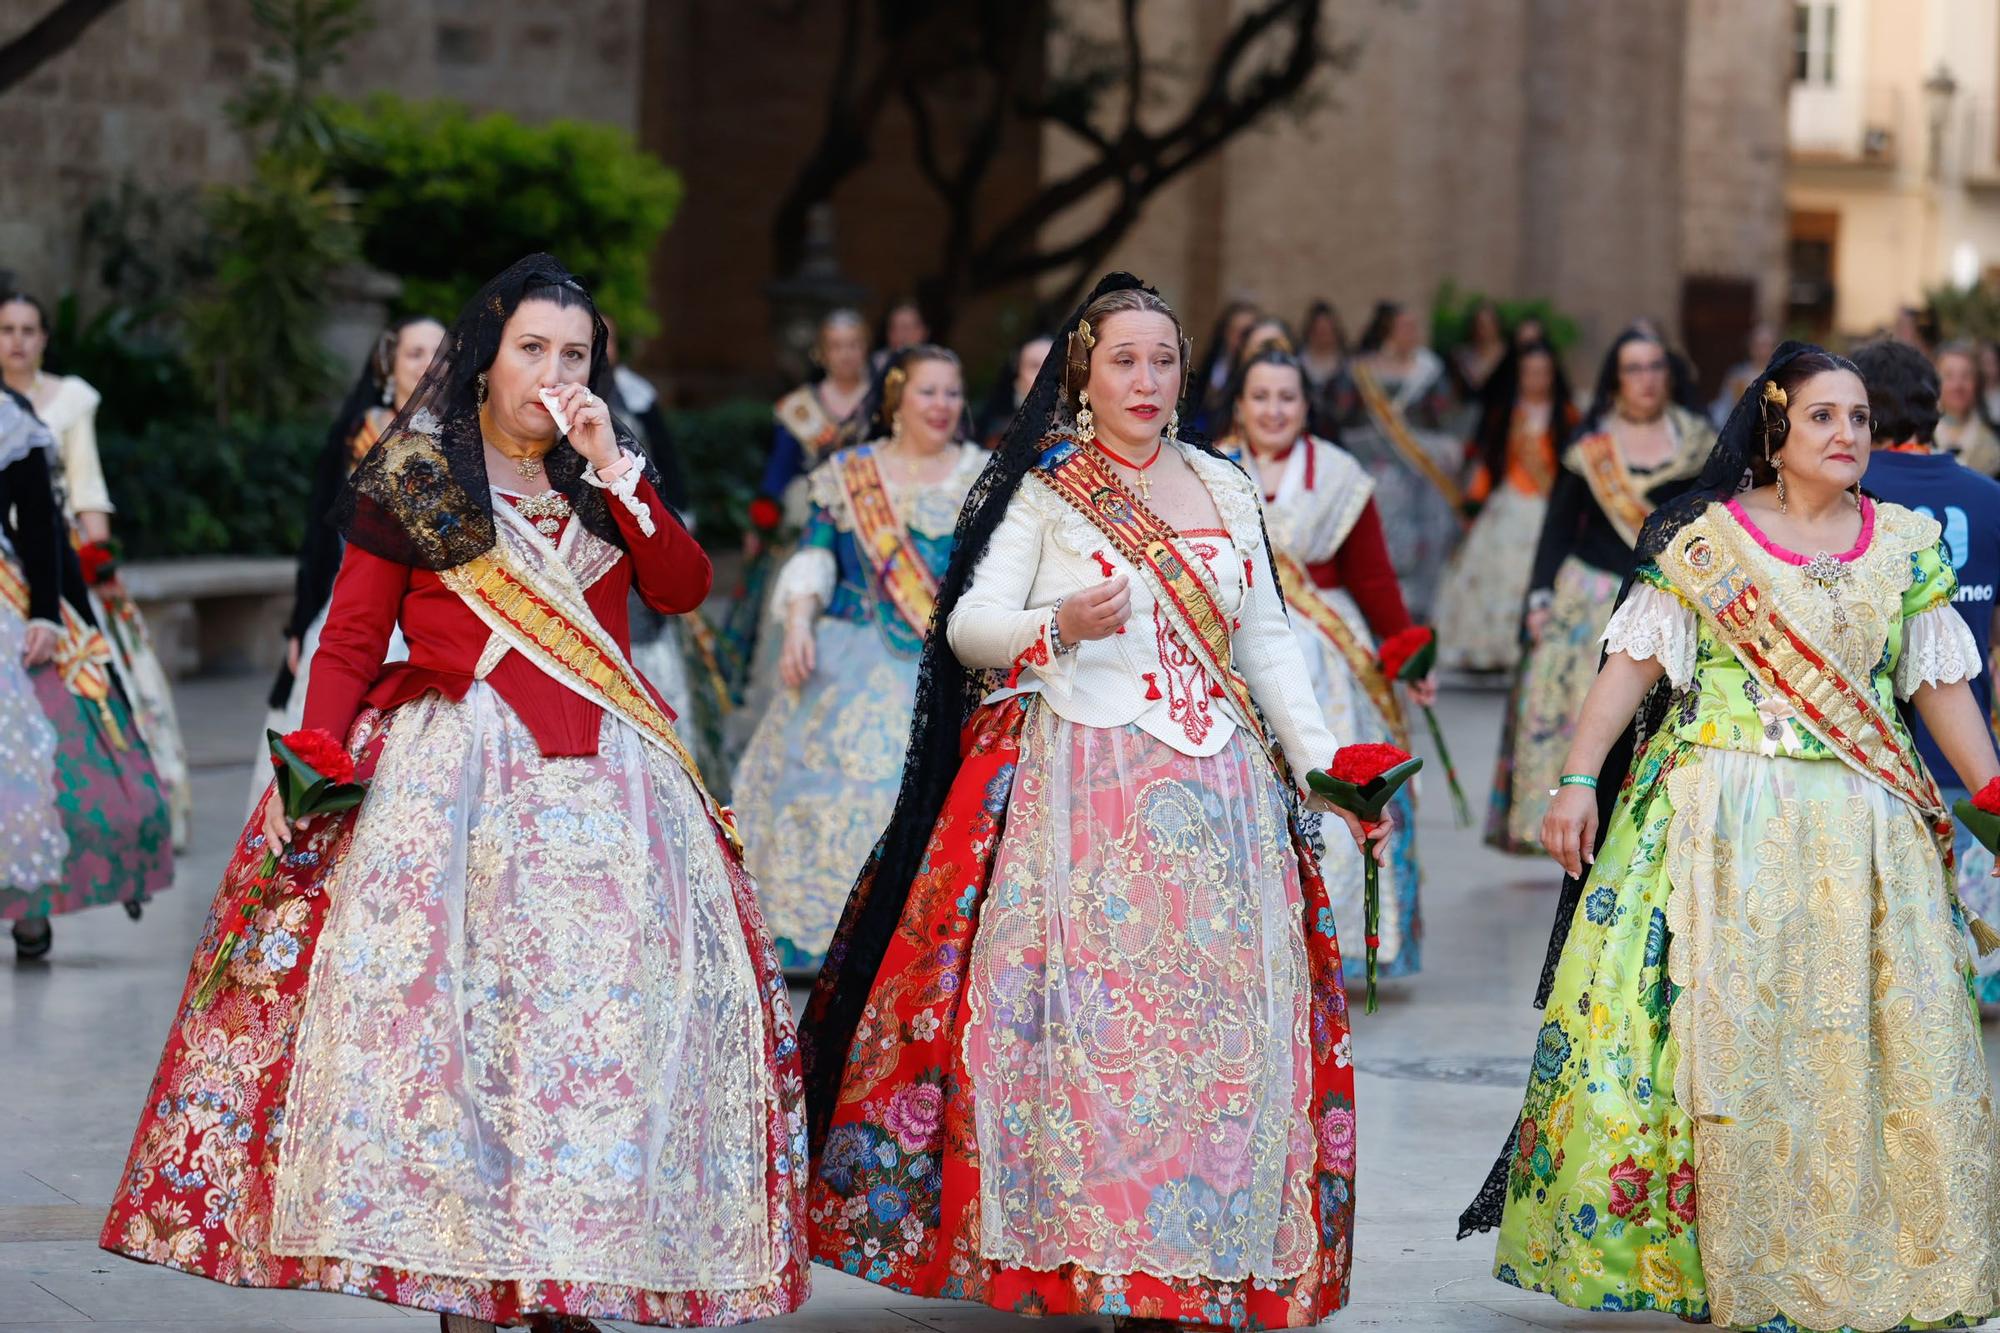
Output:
x=1367 y=669
x=1707 y=563
x=899 y=568
x=805 y=416
x=1612 y=485
x=13 y=588
x=1389 y=419
x=570 y=647
x=1081 y=479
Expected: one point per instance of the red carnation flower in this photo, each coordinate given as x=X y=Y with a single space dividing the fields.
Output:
x=1360 y=764
x=320 y=752
x=99 y=561
x=1400 y=647
x=1988 y=798
x=765 y=514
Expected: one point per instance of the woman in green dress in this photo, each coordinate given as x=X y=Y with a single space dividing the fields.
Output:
x=1759 y=1096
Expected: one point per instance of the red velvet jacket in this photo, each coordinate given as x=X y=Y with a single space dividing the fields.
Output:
x=671 y=572
x=1361 y=566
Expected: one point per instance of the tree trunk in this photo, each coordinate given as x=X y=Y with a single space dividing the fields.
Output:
x=54 y=34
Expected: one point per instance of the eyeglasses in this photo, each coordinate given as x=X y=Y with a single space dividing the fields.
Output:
x=1643 y=367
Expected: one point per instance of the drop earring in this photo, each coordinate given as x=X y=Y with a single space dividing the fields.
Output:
x=480 y=390
x=1779 y=464
x=1086 y=424
x=1174 y=426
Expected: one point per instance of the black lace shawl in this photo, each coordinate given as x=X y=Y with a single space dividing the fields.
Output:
x=421 y=497
x=1725 y=474
x=947 y=693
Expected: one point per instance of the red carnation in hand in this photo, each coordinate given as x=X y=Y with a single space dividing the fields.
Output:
x=1988 y=798
x=1400 y=647
x=99 y=561
x=765 y=514
x=320 y=752
x=1361 y=764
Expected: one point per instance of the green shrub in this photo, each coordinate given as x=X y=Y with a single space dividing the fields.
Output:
x=1451 y=316
x=142 y=376
x=194 y=488
x=722 y=450
x=448 y=200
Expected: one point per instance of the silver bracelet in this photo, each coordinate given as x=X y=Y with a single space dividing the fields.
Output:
x=1056 y=645
x=1541 y=599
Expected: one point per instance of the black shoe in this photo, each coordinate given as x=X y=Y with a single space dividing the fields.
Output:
x=135 y=908
x=33 y=945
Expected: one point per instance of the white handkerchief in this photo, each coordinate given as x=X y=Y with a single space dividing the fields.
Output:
x=550 y=401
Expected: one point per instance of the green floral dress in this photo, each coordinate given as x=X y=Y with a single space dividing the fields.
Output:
x=1759 y=1096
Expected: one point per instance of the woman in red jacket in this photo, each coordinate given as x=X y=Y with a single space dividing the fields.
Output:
x=1342 y=593
x=509 y=1042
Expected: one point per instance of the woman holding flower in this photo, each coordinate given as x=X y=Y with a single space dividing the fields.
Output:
x=509 y=1041
x=1341 y=591
x=1759 y=1096
x=1080 y=1044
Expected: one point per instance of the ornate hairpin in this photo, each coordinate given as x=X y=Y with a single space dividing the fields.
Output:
x=1083 y=332
x=1773 y=393
x=893 y=381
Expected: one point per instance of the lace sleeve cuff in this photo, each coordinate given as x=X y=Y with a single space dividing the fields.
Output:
x=1655 y=624
x=625 y=488
x=810 y=572
x=1938 y=649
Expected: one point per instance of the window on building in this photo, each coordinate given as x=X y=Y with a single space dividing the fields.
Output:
x=1812 y=41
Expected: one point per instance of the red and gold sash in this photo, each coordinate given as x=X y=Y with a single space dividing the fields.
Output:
x=1707 y=563
x=1367 y=669
x=1612 y=485
x=1390 y=421
x=570 y=647
x=1195 y=618
x=899 y=568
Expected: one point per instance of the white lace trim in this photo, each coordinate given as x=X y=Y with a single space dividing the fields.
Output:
x=1658 y=625
x=811 y=572
x=1938 y=649
x=626 y=488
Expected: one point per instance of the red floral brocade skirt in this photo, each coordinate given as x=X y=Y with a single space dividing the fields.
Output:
x=198 y=1191
x=939 y=1064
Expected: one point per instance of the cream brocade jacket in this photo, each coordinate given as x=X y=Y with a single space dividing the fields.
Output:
x=1044 y=550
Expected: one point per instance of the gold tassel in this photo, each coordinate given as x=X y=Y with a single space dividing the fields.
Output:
x=1983 y=935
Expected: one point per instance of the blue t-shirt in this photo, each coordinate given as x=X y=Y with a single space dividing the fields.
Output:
x=1967 y=504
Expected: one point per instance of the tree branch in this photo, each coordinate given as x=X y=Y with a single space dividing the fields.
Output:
x=54 y=34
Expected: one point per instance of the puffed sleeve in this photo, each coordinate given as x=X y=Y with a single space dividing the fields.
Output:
x=993 y=627
x=1267 y=653
x=1938 y=647
x=83 y=474
x=812 y=570
x=1654 y=622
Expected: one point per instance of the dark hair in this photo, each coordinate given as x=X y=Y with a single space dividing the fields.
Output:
x=1318 y=310
x=1776 y=422
x=1380 y=320
x=1502 y=394
x=889 y=314
x=41 y=311
x=1196 y=390
x=1270 y=354
x=1902 y=391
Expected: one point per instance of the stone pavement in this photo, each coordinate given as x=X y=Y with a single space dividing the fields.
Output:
x=1440 y=1073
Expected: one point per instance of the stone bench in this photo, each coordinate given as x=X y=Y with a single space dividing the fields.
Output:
x=215 y=615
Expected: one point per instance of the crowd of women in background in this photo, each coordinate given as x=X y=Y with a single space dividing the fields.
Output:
x=1026 y=700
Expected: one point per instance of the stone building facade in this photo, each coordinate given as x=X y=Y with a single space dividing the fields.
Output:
x=142 y=96
x=1622 y=159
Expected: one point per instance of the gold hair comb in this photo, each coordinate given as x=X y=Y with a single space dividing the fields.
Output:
x=1083 y=332
x=1773 y=393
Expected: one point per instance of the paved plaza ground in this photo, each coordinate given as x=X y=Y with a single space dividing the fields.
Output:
x=1440 y=1073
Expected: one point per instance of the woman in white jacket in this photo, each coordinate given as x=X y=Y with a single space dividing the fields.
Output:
x=1080 y=1045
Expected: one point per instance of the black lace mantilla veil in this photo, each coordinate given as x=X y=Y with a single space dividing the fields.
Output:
x=421 y=497
x=1726 y=472
x=947 y=693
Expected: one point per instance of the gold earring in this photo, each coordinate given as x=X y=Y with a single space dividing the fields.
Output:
x=896 y=429
x=1086 y=424
x=480 y=391
x=1779 y=464
x=1174 y=426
